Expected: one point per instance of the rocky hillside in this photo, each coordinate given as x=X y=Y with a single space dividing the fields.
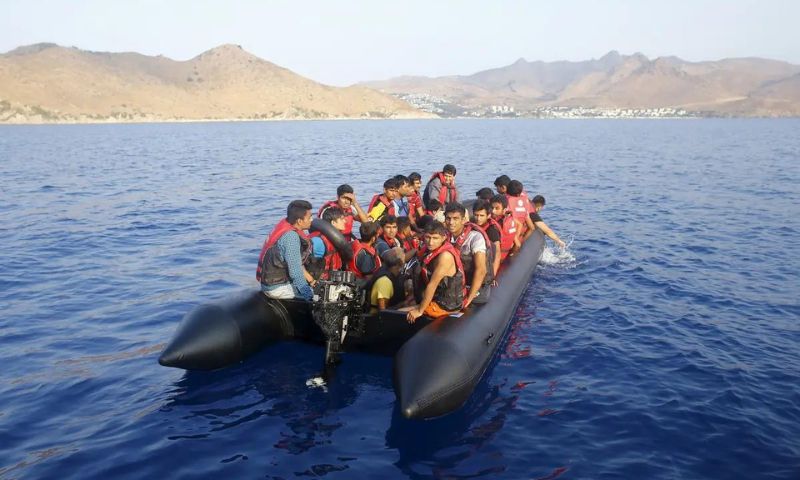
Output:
x=742 y=86
x=49 y=83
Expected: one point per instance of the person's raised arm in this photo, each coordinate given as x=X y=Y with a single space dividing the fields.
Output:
x=362 y=215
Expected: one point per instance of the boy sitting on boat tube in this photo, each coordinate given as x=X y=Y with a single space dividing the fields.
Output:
x=441 y=274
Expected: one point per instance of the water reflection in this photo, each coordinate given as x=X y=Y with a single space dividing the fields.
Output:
x=272 y=384
x=302 y=422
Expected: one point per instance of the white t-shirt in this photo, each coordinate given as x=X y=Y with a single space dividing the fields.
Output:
x=473 y=244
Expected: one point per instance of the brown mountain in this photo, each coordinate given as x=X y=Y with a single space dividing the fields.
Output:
x=46 y=82
x=741 y=86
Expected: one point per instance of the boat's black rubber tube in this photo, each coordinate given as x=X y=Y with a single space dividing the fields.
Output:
x=335 y=236
x=436 y=370
x=217 y=335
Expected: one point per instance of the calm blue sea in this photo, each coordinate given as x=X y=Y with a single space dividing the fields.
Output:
x=665 y=344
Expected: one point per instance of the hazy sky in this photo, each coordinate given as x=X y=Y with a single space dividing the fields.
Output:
x=341 y=42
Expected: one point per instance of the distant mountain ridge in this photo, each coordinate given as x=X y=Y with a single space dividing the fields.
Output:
x=46 y=82
x=49 y=83
x=738 y=86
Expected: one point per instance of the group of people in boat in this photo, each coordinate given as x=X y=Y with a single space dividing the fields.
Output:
x=421 y=252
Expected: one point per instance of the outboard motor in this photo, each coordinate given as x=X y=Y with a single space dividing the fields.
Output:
x=337 y=310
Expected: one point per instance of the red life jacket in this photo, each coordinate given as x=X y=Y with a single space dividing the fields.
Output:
x=357 y=248
x=395 y=242
x=280 y=230
x=333 y=261
x=467 y=260
x=409 y=243
x=528 y=203
x=519 y=205
x=428 y=257
x=381 y=197
x=446 y=194
x=508 y=232
x=520 y=208
x=491 y=222
x=348 y=217
x=414 y=203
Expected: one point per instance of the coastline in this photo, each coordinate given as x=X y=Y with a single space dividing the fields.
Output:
x=116 y=121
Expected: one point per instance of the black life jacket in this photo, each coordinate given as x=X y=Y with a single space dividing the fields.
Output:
x=450 y=292
x=272 y=268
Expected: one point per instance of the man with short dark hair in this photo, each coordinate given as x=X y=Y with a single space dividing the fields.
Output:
x=474 y=248
x=482 y=213
x=442 y=186
x=346 y=200
x=415 y=200
x=388 y=237
x=280 y=263
x=402 y=206
x=501 y=184
x=383 y=203
x=538 y=204
x=484 y=193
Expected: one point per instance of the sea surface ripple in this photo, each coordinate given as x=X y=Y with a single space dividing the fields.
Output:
x=665 y=343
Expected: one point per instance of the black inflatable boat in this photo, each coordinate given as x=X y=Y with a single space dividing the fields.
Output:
x=437 y=363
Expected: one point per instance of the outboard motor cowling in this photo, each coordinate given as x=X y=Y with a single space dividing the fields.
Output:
x=337 y=310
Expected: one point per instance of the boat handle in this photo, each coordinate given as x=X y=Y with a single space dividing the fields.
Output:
x=489 y=338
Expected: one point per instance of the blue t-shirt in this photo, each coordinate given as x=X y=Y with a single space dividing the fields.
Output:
x=318 y=249
x=401 y=207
